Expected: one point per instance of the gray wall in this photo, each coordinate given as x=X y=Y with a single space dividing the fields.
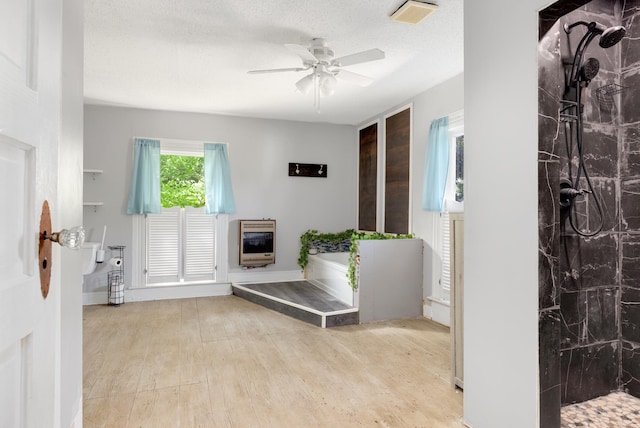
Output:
x=259 y=152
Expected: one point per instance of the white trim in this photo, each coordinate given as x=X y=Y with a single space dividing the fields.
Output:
x=265 y=276
x=222 y=247
x=437 y=310
x=138 y=251
x=161 y=293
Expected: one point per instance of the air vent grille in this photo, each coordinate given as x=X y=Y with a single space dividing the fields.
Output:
x=412 y=12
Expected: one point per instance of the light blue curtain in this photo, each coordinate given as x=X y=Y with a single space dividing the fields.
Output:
x=144 y=196
x=217 y=180
x=436 y=165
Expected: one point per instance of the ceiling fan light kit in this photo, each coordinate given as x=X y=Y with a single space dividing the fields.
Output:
x=413 y=12
x=319 y=58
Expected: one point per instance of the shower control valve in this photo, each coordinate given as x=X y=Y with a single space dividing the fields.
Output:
x=568 y=193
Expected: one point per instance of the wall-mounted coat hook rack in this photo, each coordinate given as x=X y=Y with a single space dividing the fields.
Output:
x=308 y=170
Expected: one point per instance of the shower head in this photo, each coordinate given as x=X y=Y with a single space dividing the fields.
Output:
x=612 y=36
x=608 y=36
x=589 y=70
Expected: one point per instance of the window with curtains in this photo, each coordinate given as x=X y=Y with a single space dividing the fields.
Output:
x=454 y=191
x=182 y=243
x=453 y=196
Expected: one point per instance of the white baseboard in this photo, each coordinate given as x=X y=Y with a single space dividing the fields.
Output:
x=437 y=310
x=161 y=293
x=266 y=276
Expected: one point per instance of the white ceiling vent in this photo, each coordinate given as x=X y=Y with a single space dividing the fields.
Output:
x=413 y=12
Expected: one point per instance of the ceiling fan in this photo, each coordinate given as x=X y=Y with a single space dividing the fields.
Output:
x=319 y=58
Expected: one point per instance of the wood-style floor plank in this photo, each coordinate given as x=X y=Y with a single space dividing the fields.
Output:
x=225 y=362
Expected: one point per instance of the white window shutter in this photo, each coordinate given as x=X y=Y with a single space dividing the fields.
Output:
x=445 y=278
x=163 y=246
x=199 y=245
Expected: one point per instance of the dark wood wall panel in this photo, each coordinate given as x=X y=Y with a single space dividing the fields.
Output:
x=396 y=199
x=368 y=178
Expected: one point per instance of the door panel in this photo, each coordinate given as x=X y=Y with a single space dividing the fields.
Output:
x=30 y=76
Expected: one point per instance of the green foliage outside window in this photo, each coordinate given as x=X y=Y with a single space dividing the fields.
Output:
x=181 y=181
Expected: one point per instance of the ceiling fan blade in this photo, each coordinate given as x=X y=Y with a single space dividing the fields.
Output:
x=277 y=70
x=360 y=57
x=302 y=52
x=355 y=78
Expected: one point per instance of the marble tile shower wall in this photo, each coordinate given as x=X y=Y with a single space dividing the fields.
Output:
x=589 y=287
x=630 y=199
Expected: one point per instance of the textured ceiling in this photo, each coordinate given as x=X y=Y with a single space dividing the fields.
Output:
x=193 y=55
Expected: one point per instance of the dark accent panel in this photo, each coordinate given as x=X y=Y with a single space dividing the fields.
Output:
x=549 y=340
x=548 y=237
x=630 y=159
x=630 y=271
x=630 y=314
x=340 y=320
x=631 y=368
x=589 y=372
x=368 y=178
x=630 y=205
x=307 y=170
x=398 y=137
x=588 y=262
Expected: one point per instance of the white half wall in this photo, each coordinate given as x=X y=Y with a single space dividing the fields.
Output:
x=259 y=151
x=501 y=214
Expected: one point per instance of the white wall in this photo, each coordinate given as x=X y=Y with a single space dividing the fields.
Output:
x=70 y=213
x=259 y=151
x=501 y=269
x=439 y=101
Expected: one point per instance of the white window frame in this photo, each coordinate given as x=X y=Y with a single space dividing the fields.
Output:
x=139 y=229
x=456 y=129
x=442 y=224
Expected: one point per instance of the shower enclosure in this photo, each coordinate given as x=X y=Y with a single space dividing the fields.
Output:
x=589 y=202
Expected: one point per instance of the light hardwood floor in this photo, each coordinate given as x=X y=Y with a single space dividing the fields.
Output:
x=225 y=362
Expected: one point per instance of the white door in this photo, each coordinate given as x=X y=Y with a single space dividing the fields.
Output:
x=30 y=74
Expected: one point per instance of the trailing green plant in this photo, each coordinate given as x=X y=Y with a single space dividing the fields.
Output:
x=312 y=235
x=353 y=251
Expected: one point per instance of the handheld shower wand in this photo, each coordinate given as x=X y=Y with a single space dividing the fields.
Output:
x=571 y=113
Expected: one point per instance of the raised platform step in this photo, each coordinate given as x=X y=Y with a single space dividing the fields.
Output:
x=301 y=300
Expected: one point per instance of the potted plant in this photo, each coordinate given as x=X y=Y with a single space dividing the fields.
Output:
x=311 y=238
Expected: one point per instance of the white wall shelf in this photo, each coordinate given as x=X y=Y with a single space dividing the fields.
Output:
x=93 y=172
x=95 y=205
